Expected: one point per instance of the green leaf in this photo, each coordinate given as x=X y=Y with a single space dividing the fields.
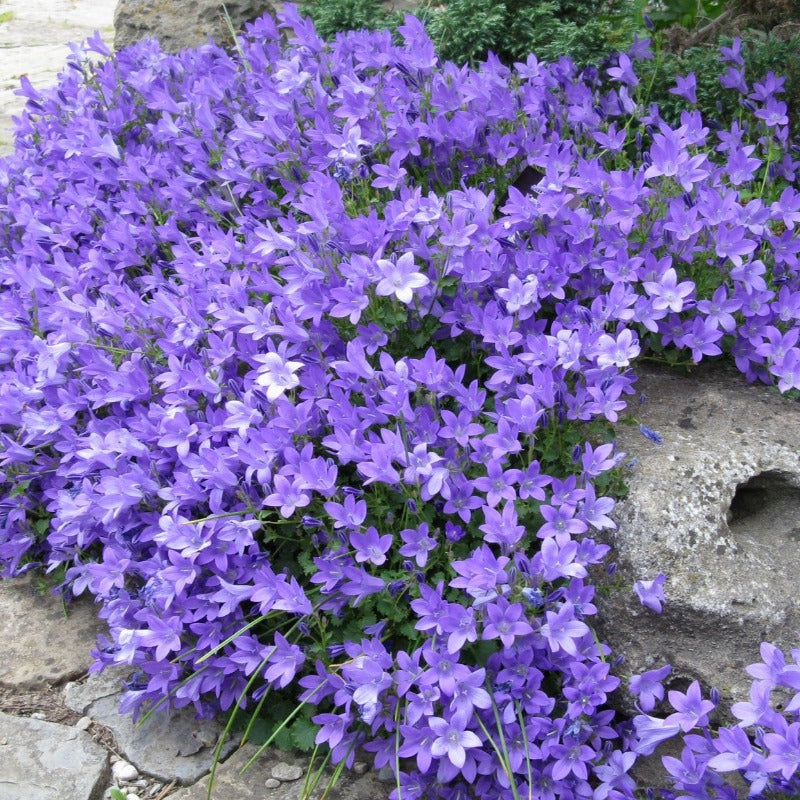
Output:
x=19 y=489
x=304 y=733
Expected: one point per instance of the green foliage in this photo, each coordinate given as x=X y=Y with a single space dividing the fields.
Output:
x=686 y=12
x=762 y=53
x=464 y=31
x=332 y=16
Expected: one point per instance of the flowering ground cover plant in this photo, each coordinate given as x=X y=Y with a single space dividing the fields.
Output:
x=313 y=400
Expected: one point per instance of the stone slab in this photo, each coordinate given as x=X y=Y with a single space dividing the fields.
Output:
x=41 y=640
x=34 y=37
x=169 y=746
x=179 y=24
x=44 y=761
x=231 y=784
x=716 y=508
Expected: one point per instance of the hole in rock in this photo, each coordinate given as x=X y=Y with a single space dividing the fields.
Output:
x=767 y=507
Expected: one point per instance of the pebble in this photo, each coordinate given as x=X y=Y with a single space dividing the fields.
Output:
x=132 y=797
x=385 y=774
x=38 y=715
x=271 y=783
x=287 y=772
x=360 y=767
x=83 y=723
x=123 y=772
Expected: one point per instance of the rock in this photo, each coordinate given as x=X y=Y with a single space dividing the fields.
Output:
x=179 y=24
x=42 y=641
x=229 y=784
x=287 y=772
x=83 y=724
x=359 y=767
x=716 y=508
x=34 y=39
x=45 y=761
x=123 y=772
x=271 y=783
x=79 y=696
x=168 y=746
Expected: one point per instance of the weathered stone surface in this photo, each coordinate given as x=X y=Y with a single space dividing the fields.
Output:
x=716 y=508
x=179 y=24
x=34 y=37
x=170 y=746
x=41 y=640
x=229 y=784
x=45 y=761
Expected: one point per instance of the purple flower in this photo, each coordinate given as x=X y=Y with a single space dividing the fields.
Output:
x=284 y=661
x=418 y=544
x=505 y=621
x=686 y=87
x=276 y=374
x=651 y=593
x=650 y=434
x=371 y=546
x=651 y=731
x=451 y=740
x=690 y=708
x=399 y=278
x=648 y=687
x=562 y=630
x=735 y=750
x=784 y=750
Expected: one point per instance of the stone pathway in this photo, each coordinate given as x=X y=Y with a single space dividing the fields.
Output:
x=62 y=738
x=34 y=38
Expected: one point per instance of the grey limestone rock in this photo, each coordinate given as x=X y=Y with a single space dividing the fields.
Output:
x=231 y=784
x=45 y=761
x=43 y=642
x=716 y=508
x=179 y=24
x=168 y=746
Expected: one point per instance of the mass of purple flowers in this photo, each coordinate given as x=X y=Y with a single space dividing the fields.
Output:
x=288 y=366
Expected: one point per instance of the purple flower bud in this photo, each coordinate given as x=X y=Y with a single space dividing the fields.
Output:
x=396 y=587
x=408 y=565
x=650 y=434
x=376 y=629
x=303 y=628
x=311 y=522
x=533 y=596
x=611 y=568
x=412 y=505
x=649 y=22
x=453 y=532
x=577 y=451
x=555 y=596
x=714 y=695
x=618 y=661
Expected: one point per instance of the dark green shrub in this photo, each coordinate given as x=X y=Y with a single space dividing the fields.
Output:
x=465 y=30
x=762 y=53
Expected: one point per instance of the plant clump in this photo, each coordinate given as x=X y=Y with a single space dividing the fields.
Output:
x=317 y=403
